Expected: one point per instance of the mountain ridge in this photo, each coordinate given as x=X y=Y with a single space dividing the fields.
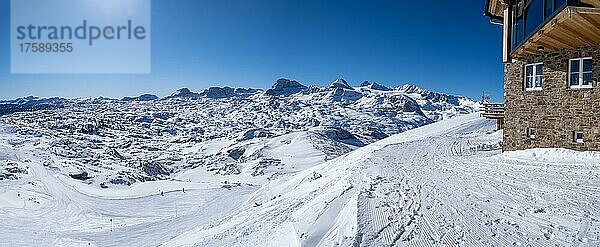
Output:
x=282 y=87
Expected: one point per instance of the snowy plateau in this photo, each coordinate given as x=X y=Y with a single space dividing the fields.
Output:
x=288 y=166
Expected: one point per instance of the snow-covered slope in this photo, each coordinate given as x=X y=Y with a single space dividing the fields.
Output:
x=442 y=184
x=445 y=184
x=219 y=167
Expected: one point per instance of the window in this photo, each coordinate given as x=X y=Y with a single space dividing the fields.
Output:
x=559 y=3
x=530 y=15
x=519 y=23
x=577 y=137
x=533 y=76
x=531 y=133
x=580 y=72
x=549 y=8
x=534 y=15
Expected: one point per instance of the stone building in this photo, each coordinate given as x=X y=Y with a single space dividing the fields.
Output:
x=551 y=50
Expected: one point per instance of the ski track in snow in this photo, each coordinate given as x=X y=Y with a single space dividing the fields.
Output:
x=52 y=212
x=423 y=189
x=452 y=196
x=444 y=184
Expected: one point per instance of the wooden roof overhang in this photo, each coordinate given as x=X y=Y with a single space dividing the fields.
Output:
x=571 y=28
x=495 y=9
x=591 y=3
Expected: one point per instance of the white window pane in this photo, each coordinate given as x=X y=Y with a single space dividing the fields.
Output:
x=529 y=82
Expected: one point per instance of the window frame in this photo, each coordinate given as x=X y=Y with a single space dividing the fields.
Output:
x=580 y=73
x=577 y=140
x=533 y=76
x=531 y=133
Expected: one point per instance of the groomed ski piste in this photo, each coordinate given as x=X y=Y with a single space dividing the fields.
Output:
x=444 y=184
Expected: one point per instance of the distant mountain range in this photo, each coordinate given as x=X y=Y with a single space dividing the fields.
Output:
x=282 y=87
x=248 y=132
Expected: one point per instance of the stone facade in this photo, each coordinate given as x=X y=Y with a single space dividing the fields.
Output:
x=556 y=111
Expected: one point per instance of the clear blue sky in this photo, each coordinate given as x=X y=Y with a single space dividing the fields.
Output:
x=448 y=46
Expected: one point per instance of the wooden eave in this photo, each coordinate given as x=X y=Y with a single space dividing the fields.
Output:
x=571 y=28
x=594 y=3
x=495 y=9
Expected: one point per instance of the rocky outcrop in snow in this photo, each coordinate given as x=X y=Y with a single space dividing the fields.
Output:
x=184 y=93
x=30 y=104
x=218 y=92
x=375 y=86
x=143 y=97
x=285 y=87
x=227 y=92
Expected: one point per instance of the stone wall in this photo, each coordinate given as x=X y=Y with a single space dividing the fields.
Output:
x=555 y=111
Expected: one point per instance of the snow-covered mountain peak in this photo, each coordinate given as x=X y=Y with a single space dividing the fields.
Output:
x=227 y=92
x=184 y=93
x=410 y=88
x=340 y=83
x=29 y=103
x=374 y=86
x=218 y=92
x=284 y=87
x=20 y=100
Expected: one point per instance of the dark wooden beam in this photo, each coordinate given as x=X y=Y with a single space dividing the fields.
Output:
x=585 y=10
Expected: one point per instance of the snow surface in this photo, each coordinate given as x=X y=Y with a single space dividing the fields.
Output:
x=245 y=168
x=442 y=184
